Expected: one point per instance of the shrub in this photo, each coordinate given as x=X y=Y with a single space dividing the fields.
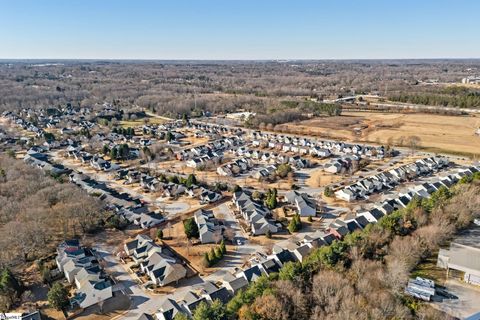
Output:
x=328 y=192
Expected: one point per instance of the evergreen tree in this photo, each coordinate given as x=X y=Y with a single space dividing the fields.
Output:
x=206 y=260
x=58 y=296
x=212 y=256
x=124 y=151
x=295 y=224
x=218 y=254
x=173 y=179
x=223 y=247
x=191 y=228
x=328 y=192
x=9 y=285
x=180 y=316
x=271 y=199
x=191 y=180
x=114 y=153
x=214 y=311
x=106 y=149
x=160 y=234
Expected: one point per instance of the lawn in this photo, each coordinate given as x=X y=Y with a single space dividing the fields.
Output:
x=428 y=269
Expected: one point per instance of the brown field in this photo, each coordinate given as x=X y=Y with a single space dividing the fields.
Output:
x=141 y=122
x=438 y=133
x=319 y=178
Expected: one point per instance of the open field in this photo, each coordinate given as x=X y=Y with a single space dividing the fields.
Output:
x=438 y=133
x=141 y=122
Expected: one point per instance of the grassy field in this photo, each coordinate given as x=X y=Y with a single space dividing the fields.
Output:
x=141 y=122
x=438 y=133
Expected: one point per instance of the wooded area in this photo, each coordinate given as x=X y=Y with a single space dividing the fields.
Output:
x=38 y=212
x=460 y=97
x=191 y=87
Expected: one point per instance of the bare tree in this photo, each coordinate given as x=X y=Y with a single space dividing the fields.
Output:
x=413 y=143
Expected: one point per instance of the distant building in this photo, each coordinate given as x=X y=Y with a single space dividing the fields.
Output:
x=471 y=80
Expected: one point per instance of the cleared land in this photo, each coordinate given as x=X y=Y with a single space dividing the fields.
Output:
x=141 y=122
x=438 y=133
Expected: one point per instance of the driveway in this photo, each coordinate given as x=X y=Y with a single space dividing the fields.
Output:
x=228 y=216
x=142 y=302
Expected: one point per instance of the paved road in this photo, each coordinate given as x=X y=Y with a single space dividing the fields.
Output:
x=230 y=221
x=101 y=177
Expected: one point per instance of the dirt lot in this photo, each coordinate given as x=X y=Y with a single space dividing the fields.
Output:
x=454 y=134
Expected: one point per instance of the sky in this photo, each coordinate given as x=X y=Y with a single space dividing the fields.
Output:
x=239 y=30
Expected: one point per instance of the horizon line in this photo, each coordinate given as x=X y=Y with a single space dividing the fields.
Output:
x=235 y=60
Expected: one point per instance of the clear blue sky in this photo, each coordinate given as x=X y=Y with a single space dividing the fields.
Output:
x=241 y=29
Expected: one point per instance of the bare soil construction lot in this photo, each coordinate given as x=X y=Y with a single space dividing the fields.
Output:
x=455 y=134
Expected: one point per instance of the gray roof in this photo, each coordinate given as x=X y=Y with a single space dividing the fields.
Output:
x=464 y=258
x=238 y=283
x=464 y=252
x=470 y=237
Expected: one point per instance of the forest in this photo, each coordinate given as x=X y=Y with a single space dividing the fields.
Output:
x=174 y=88
x=457 y=97
x=38 y=211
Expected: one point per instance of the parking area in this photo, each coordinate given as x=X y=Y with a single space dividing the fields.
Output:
x=464 y=299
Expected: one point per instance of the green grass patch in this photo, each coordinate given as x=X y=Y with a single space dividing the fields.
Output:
x=428 y=269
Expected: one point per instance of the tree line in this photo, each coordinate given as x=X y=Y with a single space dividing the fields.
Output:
x=456 y=98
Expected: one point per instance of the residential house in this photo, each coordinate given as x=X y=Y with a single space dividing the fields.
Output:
x=156 y=262
x=209 y=229
x=305 y=205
